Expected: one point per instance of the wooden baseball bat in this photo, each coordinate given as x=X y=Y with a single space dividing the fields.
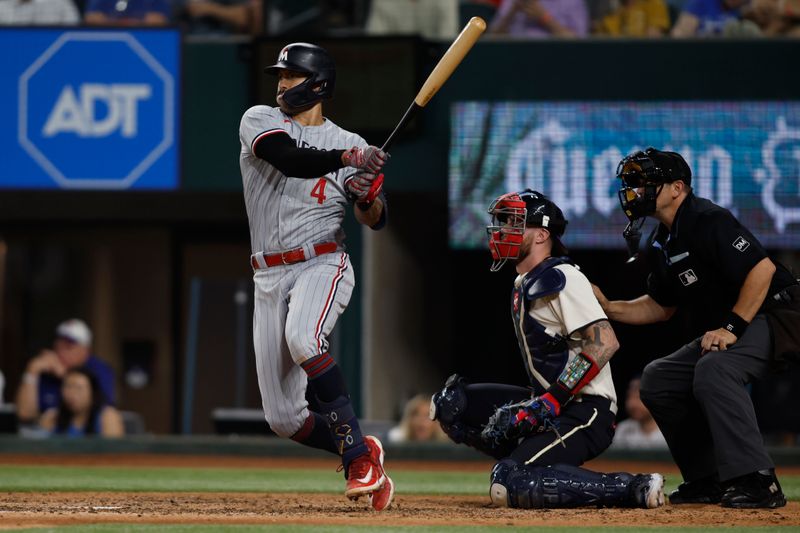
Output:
x=441 y=72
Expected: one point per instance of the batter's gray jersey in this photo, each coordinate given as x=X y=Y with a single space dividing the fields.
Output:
x=286 y=212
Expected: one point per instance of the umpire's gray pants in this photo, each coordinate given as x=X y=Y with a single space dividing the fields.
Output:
x=703 y=408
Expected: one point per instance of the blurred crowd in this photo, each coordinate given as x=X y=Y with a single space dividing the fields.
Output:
x=432 y=19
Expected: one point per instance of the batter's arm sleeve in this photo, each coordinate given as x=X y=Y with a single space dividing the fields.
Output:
x=279 y=150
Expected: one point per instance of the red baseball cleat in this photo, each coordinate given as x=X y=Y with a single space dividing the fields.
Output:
x=365 y=474
x=382 y=498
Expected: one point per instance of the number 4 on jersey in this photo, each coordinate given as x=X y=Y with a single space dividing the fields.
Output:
x=318 y=191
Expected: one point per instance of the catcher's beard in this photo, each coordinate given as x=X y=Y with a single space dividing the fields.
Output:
x=524 y=248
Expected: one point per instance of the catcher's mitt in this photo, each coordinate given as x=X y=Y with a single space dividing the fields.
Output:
x=516 y=420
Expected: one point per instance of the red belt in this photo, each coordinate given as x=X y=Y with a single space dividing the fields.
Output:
x=293 y=256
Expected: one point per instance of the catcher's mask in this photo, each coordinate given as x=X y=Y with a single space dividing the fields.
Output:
x=511 y=214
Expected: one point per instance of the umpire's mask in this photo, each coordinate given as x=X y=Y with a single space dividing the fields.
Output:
x=643 y=174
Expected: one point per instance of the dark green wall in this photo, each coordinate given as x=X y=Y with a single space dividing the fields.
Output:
x=216 y=92
x=217 y=89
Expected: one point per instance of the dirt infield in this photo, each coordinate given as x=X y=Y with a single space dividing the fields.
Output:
x=18 y=509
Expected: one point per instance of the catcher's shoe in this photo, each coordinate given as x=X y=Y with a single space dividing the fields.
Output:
x=365 y=474
x=707 y=490
x=382 y=498
x=647 y=490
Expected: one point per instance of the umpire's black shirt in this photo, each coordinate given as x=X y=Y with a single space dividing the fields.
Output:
x=700 y=264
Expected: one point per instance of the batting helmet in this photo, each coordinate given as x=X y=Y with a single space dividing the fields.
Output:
x=648 y=170
x=512 y=213
x=312 y=60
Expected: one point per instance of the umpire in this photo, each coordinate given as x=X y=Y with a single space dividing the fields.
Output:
x=743 y=309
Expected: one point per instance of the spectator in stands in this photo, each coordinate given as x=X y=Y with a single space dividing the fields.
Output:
x=485 y=9
x=127 y=13
x=38 y=12
x=433 y=19
x=635 y=18
x=224 y=16
x=639 y=430
x=40 y=388
x=83 y=410
x=708 y=18
x=416 y=424
x=541 y=18
x=777 y=17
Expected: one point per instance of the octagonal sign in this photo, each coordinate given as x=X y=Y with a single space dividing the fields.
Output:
x=96 y=110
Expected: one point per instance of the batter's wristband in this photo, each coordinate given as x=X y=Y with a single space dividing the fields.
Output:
x=736 y=324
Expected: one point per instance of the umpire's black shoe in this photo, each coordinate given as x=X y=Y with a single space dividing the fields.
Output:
x=759 y=490
x=706 y=490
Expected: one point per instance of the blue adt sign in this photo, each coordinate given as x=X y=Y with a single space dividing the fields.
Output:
x=93 y=109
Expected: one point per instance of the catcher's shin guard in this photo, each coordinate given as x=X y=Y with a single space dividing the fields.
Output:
x=560 y=486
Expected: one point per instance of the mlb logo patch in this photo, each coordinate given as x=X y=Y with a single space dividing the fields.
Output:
x=741 y=243
x=687 y=277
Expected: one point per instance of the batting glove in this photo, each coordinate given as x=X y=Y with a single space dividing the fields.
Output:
x=370 y=158
x=359 y=184
x=366 y=202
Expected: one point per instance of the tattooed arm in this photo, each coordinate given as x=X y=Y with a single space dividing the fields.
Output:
x=598 y=341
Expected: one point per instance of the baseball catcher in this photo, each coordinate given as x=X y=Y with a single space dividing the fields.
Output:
x=542 y=434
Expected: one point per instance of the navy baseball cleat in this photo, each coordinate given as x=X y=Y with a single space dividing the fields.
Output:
x=759 y=490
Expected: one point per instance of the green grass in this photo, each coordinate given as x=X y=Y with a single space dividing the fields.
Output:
x=86 y=478
x=101 y=478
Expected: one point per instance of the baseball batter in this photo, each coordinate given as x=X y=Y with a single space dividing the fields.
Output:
x=300 y=171
x=542 y=434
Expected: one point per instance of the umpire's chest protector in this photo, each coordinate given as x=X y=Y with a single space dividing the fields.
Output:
x=544 y=351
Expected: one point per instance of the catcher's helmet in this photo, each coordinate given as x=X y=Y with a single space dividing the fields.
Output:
x=512 y=213
x=648 y=170
x=312 y=60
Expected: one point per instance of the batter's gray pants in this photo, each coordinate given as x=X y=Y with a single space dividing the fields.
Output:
x=704 y=409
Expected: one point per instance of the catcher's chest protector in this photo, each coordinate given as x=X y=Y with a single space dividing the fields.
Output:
x=544 y=352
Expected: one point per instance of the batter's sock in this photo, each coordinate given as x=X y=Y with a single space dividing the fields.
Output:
x=328 y=383
x=316 y=434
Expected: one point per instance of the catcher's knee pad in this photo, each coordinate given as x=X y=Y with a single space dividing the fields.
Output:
x=449 y=404
x=558 y=486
